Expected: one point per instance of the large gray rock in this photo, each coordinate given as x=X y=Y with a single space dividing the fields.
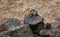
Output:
x=12 y=22
x=18 y=31
x=45 y=32
x=9 y=23
x=24 y=31
x=34 y=20
x=52 y=32
x=15 y=29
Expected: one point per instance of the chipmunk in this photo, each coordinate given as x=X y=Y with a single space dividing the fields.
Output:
x=32 y=12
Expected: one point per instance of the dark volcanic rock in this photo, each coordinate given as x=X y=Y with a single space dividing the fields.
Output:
x=34 y=20
x=24 y=32
x=55 y=32
x=18 y=31
x=9 y=24
x=12 y=22
x=47 y=31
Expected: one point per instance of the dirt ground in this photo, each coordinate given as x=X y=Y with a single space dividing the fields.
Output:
x=48 y=9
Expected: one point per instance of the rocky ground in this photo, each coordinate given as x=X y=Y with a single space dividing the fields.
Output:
x=48 y=9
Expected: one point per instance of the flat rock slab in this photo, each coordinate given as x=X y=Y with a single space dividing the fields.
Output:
x=33 y=20
x=51 y=32
x=46 y=32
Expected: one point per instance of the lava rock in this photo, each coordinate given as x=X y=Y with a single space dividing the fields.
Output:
x=44 y=32
x=9 y=24
x=24 y=32
x=47 y=31
x=18 y=31
x=12 y=22
x=34 y=20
